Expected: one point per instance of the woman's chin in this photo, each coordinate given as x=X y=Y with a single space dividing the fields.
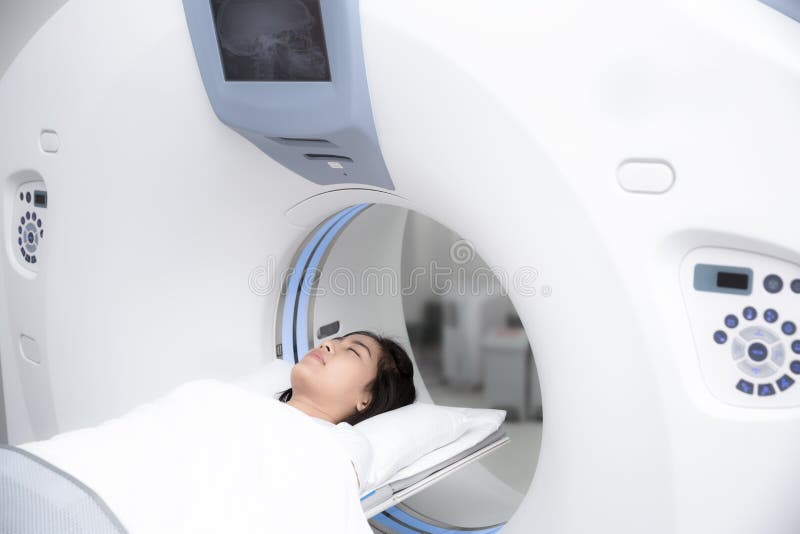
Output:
x=301 y=373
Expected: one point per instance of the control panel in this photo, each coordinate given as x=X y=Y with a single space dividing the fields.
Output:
x=744 y=310
x=28 y=225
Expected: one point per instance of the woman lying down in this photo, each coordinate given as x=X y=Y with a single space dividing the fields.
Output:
x=214 y=457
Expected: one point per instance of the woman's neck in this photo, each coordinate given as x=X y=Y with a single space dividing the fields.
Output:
x=306 y=405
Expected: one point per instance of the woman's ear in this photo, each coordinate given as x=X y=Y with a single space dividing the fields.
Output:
x=363 y=402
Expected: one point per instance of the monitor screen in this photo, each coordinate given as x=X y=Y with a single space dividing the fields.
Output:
x=271 y=40
x=733 y=280
x=40 y=199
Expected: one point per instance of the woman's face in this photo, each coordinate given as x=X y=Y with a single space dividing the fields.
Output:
x=335 y=374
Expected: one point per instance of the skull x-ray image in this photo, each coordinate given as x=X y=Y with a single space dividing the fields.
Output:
x=271 y=40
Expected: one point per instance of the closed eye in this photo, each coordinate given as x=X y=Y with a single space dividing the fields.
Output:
x=355 y=352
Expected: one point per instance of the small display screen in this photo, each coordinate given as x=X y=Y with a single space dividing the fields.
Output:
x=733 y=280
x=40 y=199
x=271 y=40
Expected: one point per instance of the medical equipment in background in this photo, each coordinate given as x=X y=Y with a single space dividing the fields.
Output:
x=468 y=316
x=511 y=381
x=637 y=156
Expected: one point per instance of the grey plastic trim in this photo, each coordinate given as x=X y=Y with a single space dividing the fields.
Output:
x=338 y=112
x=328 y=157
x=306 y=143
x=328 y=330
x=790 y=8
x=90 y=492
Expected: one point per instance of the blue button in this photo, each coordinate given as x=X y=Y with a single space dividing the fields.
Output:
x=21 y=196
x=39 y=223
x=27 y=258
x=749 y=313
x=720 y=337
x=22 y=251
x=785 y=382
x=757 y=352
x=33 y=259
x=796 y=346
x=22 y=220
x=28 y=215
x=33 y=215
x=19 y=229
x=795 y=367
x=795 y=285
x=745 y=387
x=28 y=196
x=773 y=283
x=731 y=321
x=19 y=241
x=788 y=328
x=30 y=237
x=41 y=233
x=770 y=315
x=765 y=390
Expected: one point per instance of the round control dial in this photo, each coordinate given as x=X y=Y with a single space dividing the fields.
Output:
x=759 y=352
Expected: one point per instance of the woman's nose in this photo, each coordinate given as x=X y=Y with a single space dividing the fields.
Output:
x=327 y=346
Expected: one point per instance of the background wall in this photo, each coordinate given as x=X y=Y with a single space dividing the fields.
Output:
x=424 y=241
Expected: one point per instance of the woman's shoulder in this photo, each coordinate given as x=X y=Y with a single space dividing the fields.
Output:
x=321 y=421
x=357 y=445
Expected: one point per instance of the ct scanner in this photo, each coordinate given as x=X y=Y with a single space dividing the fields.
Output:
x=632 y=167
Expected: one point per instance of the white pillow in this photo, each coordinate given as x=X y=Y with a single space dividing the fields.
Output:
x=482 y=422
x=400 y=437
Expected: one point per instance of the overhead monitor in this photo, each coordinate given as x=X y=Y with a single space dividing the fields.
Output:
x=271 y=40
x=289 y=76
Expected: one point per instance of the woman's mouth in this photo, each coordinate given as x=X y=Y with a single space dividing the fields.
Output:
x=317 y=355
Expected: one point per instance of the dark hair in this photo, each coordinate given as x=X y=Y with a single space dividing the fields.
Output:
x=393 y=386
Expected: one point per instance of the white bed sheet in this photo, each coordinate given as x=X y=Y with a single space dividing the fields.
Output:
x=213 y=457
